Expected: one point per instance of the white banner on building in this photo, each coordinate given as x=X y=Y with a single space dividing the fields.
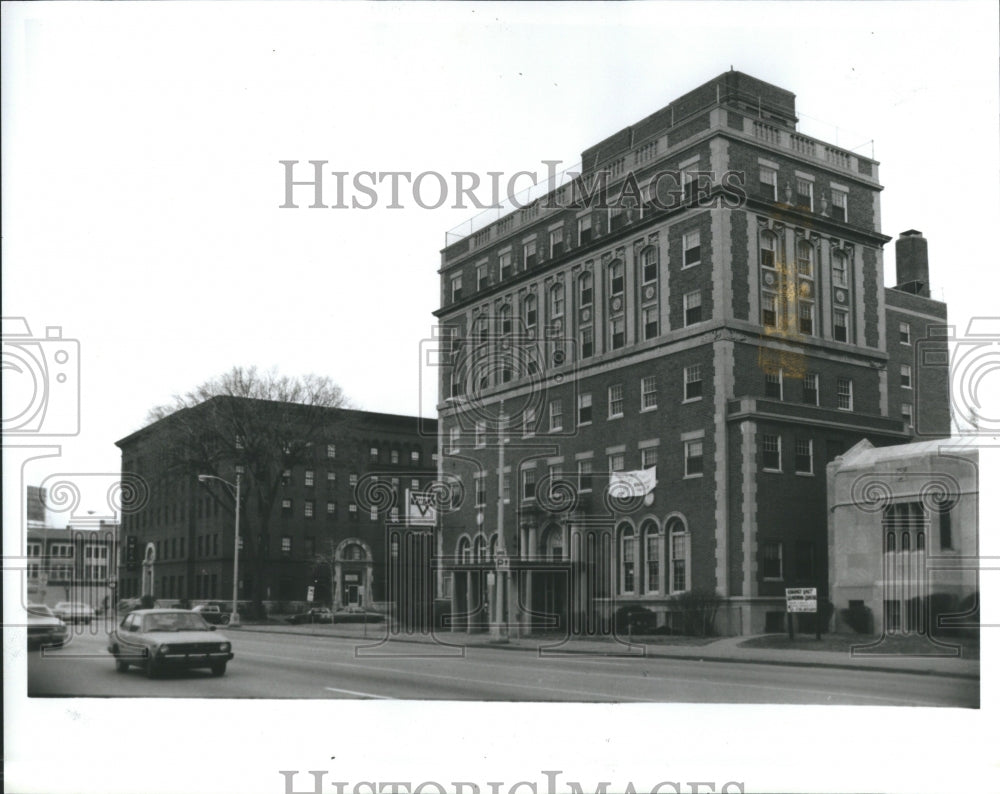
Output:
x=420 y=510
x=632 y=484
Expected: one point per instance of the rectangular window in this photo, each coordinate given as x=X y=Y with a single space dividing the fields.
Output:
x=804 y=193
x=352 y=480
x=692 y=382
x=584 y=231
x=454 y=439
x=331 y=509
x=586 y=342
x=769 y=309
x=616 y=401
x=556 y=242
x=803 y=456
x=906 y=376
x=649 y=456
x=692 y=308
x=840 y=325
x=286 y=477
x=774 y=385
x=286 y=505
x=904 y=333
x=530 y=421
x=845 y=394
x=506 y=268
x=770 y=560
x=309 y=478
x=768 y=183
x=839 y=270
x=585 y=474
x=616 y=277
x=310 y=508
x=838 y=200
x=692 y=248
x=456 y=288
x=616 y=462
x=771 y=446
x=616 y=330
x=650 y=322
x=678 y=558
x=652 y=563
x=555 y=415
x=286 y=544
x=693 y=458
x=648 y=393
x=810 y=388
x=528 y=483
x=530 y=254
x=907 y=412
x=482 y=277
x=557 y=300
x=650 y=265
x=806 y=310
x=584 y=413
x=586 y=290
x=394 y=456
x=331 y=451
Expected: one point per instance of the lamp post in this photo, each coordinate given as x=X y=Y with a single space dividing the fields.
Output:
x=502 y=580
x=234 y=618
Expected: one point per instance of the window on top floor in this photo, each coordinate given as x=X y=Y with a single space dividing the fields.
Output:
x=530 y=254
x=904 y=333
x=768 y=183
x=482 y=277
x=584 y=230
x=456 y=288
x=804 y=194
x=692 y=248
x=838 y=208
x=556 y=242
x=505 y=260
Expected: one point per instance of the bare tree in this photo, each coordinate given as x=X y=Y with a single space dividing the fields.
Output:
x=264 y=423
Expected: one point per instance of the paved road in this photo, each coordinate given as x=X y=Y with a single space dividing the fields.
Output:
x=286 y=666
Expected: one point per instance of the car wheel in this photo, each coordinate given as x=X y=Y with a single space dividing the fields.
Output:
x=224 y=620
x=219 y=668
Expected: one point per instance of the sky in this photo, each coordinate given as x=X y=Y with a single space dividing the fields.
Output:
x=142 y=182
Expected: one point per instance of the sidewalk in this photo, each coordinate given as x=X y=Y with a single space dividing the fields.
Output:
x=725 y=649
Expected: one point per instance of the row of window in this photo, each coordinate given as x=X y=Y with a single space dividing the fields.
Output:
x=802 y=195
x=774 y=388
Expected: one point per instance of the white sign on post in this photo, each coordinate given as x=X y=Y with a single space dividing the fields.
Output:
x=310 y=591
x=800 y=599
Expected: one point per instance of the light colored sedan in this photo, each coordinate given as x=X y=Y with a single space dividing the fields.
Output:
x=44 y=628
x=161 y=639
x=74 y=612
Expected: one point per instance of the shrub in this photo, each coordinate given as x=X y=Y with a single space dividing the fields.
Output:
x=698 y=609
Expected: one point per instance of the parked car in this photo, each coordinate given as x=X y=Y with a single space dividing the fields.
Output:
x=74 y=612
x=212 y=614
x=161 y=639
x=44 y=628
x=314 y=615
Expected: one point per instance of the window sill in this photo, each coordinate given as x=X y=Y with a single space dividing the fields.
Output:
x=805 y=474
x=691 y=265
x=772 y=471
x=691 y=400
x=694 y=476
x=616 y=416
x=647 y=410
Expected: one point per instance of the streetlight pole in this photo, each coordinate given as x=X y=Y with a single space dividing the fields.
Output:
x=234 y=618
x=501 y=552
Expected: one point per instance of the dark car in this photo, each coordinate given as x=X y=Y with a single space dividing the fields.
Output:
x=161 y=639
x=212 y=614
x=44 y=628
x=314 y=615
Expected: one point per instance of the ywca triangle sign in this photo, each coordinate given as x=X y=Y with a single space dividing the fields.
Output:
x=420 y=510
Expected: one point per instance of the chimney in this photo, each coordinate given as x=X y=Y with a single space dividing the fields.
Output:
x=912 y=273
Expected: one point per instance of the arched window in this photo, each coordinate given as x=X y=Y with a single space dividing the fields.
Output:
x=768 y=249
x=480 y=548
x=557 y=299
x=651 y=538
x=616 y=277
x=804 y=254
x=626 y=558
x=677 y=536
x=530 y=311
x=493 y=548
x=650 y=265
x=505 y=321
x=464 y=550
x=586 y=289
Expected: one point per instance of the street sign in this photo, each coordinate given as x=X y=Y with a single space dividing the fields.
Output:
x=310 y=592
x=503 y=562
x=800 y=599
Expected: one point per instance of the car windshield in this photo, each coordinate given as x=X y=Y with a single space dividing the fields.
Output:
x=40 y=611
x=174 y=621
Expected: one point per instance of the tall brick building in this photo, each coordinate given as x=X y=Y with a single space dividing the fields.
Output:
x=672 y=368
x=327 y=528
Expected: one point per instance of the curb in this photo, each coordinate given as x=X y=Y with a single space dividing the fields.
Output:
x=649 y=653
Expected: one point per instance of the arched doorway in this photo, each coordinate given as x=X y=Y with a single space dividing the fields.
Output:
x=353 y=578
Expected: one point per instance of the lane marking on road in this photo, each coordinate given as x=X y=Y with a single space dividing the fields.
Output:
x=359 y=694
